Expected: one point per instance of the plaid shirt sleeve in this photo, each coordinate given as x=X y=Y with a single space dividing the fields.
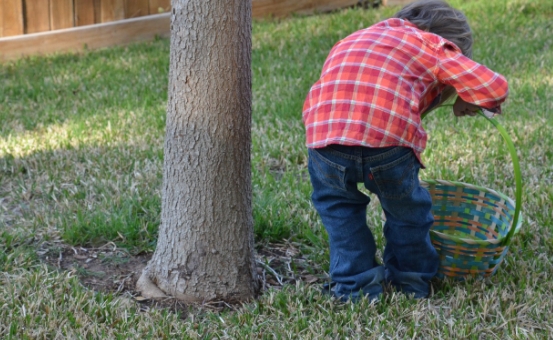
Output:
x=474 y=82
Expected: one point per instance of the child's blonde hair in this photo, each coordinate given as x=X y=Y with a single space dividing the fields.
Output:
x=440 y=18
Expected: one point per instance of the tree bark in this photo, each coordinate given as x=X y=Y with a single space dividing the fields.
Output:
x=205 y=245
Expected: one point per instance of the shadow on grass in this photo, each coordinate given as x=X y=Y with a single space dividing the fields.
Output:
x=41 y=91
x=94 y=212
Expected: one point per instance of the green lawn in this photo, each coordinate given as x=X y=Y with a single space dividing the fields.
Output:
x=81 y=148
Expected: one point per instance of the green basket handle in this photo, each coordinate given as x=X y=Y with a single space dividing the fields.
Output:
x=516 y=168
x=518 y=176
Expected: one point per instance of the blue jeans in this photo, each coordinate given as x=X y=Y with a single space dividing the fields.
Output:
x=410 y=260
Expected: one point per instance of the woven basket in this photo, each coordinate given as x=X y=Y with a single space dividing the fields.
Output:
x=474 y=226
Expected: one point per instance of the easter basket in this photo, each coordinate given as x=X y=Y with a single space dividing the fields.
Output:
x=474 y=225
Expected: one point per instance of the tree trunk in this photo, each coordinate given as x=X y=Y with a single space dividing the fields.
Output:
x=205 y=245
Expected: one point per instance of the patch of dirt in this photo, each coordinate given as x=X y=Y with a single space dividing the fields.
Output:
x=108 y=268
x=114 y=270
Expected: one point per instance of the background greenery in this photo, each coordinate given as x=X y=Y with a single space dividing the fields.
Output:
x=81 y=140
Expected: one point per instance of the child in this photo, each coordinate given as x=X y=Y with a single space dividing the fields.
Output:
x=363 y=125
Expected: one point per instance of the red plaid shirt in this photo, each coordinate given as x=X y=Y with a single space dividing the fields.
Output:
x=376 y=83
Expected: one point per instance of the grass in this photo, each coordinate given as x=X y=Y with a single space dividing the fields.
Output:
x=81 y=140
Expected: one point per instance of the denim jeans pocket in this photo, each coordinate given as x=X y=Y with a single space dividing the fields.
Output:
x=397 y=179
x=328 y=172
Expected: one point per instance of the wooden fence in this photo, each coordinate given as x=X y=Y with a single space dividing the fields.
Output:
x=19 y=17
x=47 y=26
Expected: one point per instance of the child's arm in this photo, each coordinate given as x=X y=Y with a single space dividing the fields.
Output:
x=476 y=85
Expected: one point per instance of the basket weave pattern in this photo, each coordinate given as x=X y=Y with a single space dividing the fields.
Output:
x=470 y=229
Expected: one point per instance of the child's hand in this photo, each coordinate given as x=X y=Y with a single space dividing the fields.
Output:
x=462 y=108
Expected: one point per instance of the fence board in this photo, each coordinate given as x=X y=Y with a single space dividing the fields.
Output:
x=112 y=10
x=12 y=19
x=97 y=36
x=37 y=16
x=1 y=19
x=157 y=5
x=84 y=12
x=279 y=8
x=97 y=11
x=61 y=14
x=137 y=8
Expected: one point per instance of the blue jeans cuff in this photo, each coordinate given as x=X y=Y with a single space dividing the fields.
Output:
x=368 y=283
x=417 y=284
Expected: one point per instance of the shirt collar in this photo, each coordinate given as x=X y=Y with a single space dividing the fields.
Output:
x=396 y=22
